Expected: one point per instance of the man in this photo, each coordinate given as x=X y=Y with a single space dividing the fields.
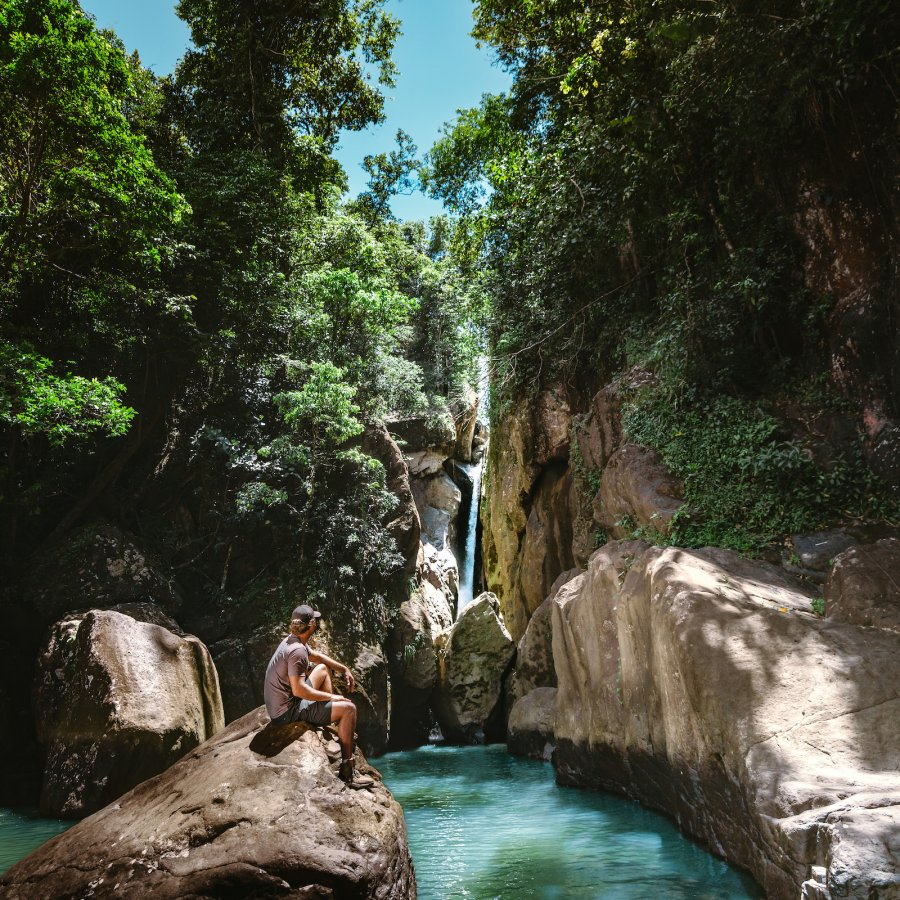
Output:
x=298 y=689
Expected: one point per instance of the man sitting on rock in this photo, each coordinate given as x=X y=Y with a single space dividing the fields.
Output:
x=298 y=689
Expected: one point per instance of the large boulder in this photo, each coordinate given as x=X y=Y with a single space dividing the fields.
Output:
x=473 y=658
x=636 y=489
x=413 y=664
x=98 y=566
x=702 y=684
x=863 y=588
x=226 y=821
x=117 y=701
x=427 y=441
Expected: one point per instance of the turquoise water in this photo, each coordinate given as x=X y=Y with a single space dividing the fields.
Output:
x=22 y=831
x=483 y=824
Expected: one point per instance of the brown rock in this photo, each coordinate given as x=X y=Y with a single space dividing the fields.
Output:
x=437 y=500
x=228 y=822
x=700 y=684
x=116 y=702
x=530 y=729
x=636 y=485
x=465 y=416
x=863 y=588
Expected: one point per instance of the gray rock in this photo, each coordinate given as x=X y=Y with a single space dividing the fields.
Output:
x=863 y=588
x=226 y=821
x=812 y=555
x=700 y=684
x=116 y=702
x=437 y=499
x=473 y=658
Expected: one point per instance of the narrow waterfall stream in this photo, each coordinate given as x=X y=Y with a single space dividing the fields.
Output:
x=466 y=551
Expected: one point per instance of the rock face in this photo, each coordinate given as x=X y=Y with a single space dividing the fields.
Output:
x=241 y=665
x=534 y=654
x=99 y=566
x=437 y=499
x=701 y=684
x=531 y=724
x=527 y=537
x=228 y=822
x=117 y=701
x=473 y=657
x=413 y=664
x=636 y=487
x=863 y=588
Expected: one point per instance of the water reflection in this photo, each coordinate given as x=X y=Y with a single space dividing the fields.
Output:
x=22 y=831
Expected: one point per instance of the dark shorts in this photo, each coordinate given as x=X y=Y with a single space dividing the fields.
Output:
x=315 y=712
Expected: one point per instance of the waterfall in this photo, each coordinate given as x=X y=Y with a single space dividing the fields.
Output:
x=468 y=535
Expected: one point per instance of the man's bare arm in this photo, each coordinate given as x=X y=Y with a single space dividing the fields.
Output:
x=315 y=657
x=301 y=689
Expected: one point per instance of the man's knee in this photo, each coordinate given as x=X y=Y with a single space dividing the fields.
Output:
x=342 y=708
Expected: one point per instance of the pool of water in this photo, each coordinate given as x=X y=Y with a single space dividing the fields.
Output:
x=483 y=824
x=22 y=831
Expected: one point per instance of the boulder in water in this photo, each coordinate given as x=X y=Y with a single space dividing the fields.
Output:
x=530 y=731
x=117 y=701
x=702 y=684
x=474 y=656
x=226 y=821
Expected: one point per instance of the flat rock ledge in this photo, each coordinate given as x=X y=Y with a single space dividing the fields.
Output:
x=226 y=821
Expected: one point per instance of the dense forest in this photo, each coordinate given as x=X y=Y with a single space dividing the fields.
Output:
x=195 y=328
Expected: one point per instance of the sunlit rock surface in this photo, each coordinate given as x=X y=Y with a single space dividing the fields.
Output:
x=702 y=684
x=226 y=821
x=117 y=701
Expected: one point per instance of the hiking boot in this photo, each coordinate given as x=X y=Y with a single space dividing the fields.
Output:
x=348 y=774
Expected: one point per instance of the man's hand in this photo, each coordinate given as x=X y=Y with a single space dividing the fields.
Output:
x=348 y=677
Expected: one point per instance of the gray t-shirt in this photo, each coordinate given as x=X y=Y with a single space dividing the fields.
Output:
x=291 y=658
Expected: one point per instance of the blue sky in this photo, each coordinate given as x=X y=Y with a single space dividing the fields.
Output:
x=441 y=70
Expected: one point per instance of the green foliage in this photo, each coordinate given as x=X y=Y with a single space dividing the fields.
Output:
x=745 y=482
x=818 y=606
x=63 y=408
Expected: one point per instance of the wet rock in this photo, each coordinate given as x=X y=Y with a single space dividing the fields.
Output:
x=701 y=684
x=473 y=658
x=116 y=702
x=863 y=588
x=228 y=822
x=637 y=488
x=530 y=729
